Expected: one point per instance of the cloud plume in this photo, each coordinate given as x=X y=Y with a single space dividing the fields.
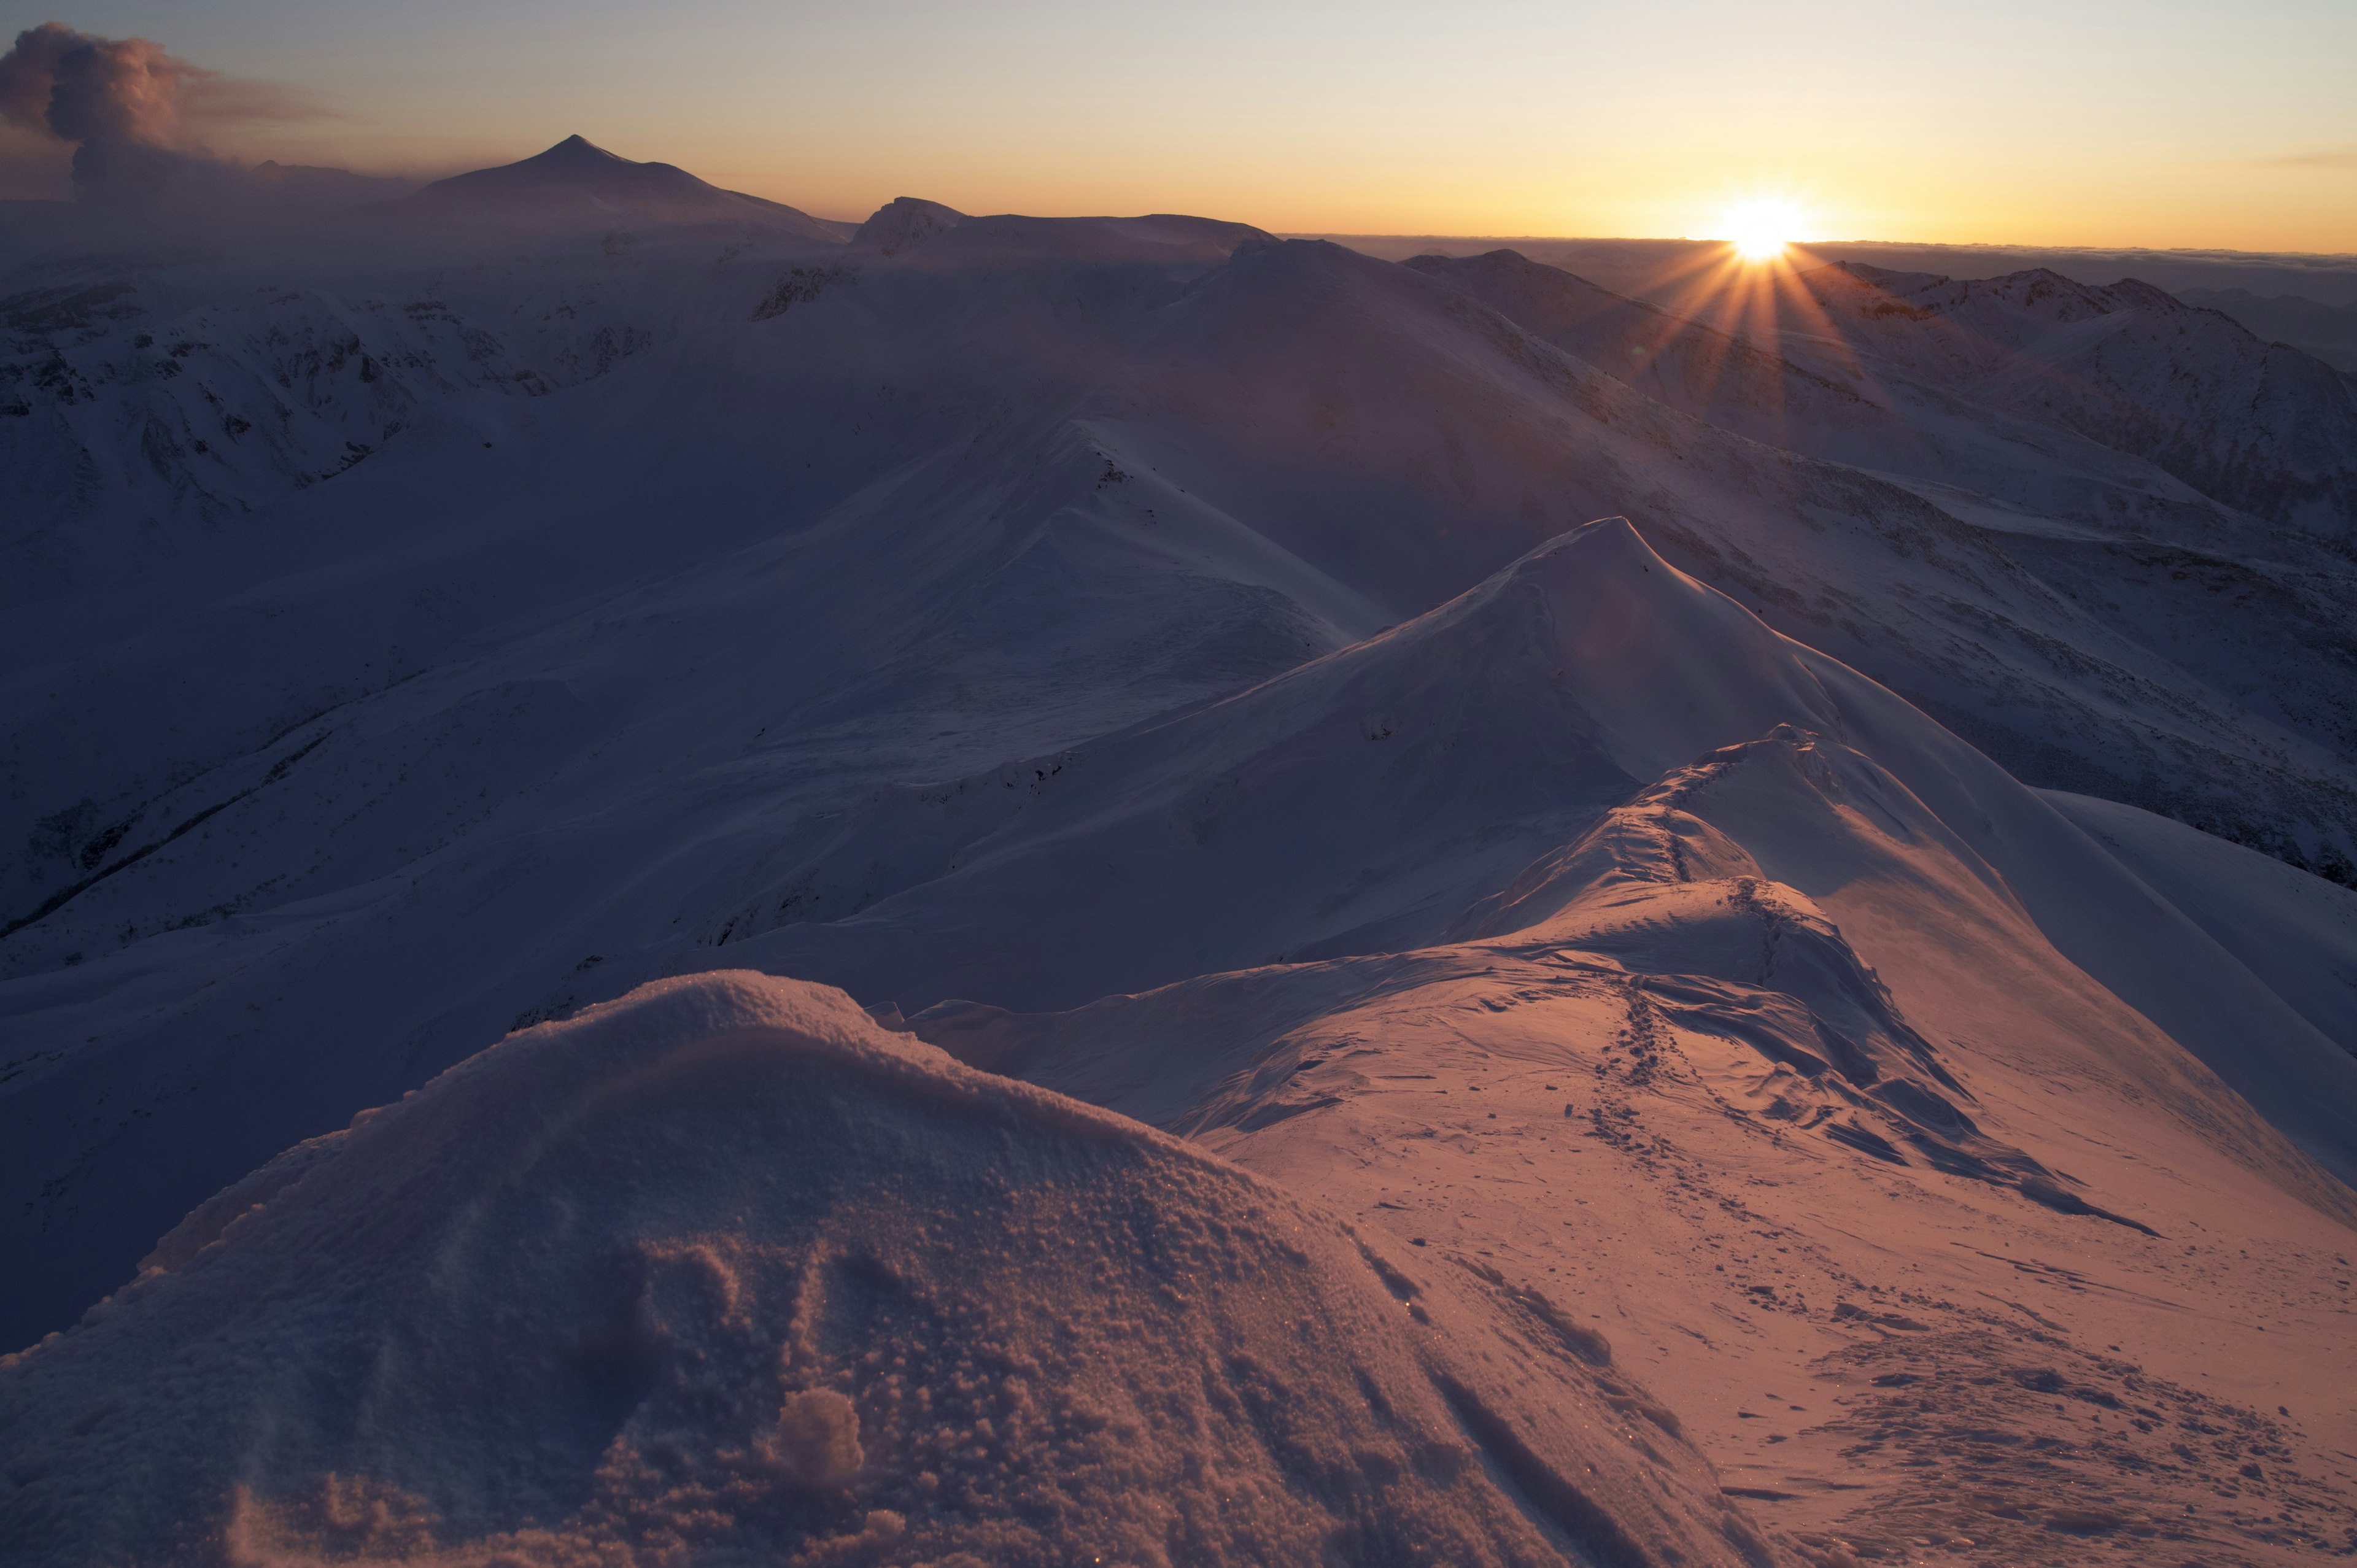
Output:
x=136 y=114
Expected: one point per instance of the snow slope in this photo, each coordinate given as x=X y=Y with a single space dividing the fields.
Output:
x=580 y=706
x=2298 y=933
x=1946 y=1253
x=1366 y=800
x=1181 y=667
x=2314 y=327
x=1400 y=438
x=1363 y=802
x=725 y=1270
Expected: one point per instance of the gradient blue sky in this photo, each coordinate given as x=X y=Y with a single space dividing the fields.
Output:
x=2053 y=121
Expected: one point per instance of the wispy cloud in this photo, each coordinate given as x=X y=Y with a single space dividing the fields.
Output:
x=2329 y=157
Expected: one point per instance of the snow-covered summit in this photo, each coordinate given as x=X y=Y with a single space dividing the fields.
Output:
x=576 y=180
x=1355 y=803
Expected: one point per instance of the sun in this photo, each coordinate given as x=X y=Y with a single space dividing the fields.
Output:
x=1760 y=229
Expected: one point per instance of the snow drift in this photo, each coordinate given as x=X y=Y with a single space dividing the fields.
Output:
x=724 y=1269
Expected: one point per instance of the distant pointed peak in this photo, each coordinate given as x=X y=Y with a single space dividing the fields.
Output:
x=577 y=150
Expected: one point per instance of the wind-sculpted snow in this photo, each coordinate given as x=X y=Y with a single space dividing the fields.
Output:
x=1181 y=668
x=723 y=1270
x=1356 y=803
x=1361 y=803
x=1874 y=1213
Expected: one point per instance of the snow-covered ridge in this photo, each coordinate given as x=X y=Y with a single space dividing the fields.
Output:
x=858 y=526
x=1550 y=810
x=2118 y=552
x=724 y=1268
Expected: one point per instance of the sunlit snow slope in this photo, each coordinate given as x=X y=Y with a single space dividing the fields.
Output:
x=1789 y=848
x=725 y=1270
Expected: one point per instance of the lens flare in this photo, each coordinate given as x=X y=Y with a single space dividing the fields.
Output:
x=1762 y=228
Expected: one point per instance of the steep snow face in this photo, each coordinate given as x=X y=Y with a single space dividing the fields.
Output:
x=2317 y=327
x=723 y=1268
x=903 y=223
x=2256 y=424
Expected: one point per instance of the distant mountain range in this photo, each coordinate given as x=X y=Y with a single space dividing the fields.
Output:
x=2327 y=331
x=2314 y=289
x=2258 y=425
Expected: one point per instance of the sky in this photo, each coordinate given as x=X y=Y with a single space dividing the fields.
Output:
x=2093 y=122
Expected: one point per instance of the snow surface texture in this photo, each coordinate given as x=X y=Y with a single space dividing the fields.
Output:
x=1583 y=671
x=1936 y=1269
x=1183 y=669
x=723 y=1272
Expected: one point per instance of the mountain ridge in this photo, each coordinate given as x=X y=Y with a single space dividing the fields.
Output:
x=1652 y=854
x=576 y=180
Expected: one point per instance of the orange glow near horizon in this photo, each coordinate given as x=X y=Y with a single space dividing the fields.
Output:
x=2200 y=127
x=1762 y=227
x=1726 y=306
